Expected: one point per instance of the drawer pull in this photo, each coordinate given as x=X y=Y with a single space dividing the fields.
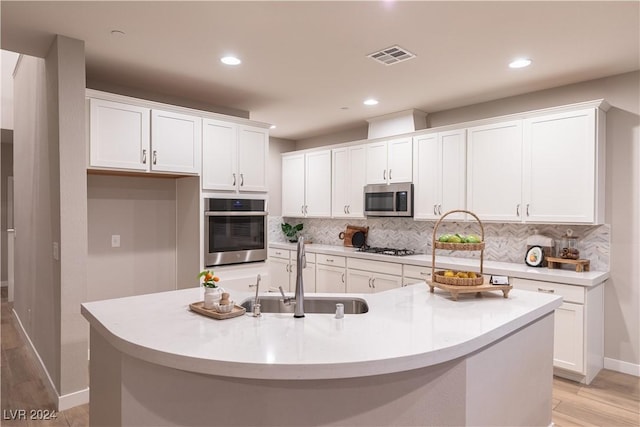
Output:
x=424 y=273
x=546 y=291
x=329 y=260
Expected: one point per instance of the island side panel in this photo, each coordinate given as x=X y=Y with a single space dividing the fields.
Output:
x=105 y=373
x=158 y=396
x=511 y=381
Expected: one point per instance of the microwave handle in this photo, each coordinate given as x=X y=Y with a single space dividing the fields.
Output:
x=235 y=213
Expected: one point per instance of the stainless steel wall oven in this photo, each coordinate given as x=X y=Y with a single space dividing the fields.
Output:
x=235 y=231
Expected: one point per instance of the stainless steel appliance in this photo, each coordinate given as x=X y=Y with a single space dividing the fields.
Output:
x=235 y=231
x=388 y=200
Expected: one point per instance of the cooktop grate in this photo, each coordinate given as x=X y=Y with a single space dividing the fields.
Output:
x=387 y=251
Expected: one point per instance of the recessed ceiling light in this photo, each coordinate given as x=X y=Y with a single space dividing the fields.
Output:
x=520 y=63
x=272 y=127
x=230 y=60
x=371 y=101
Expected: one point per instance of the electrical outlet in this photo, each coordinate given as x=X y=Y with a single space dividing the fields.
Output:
x=56 y=251
x=115 y=241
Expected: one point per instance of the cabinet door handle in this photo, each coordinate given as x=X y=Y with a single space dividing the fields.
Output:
x=384 y=174
x=373 y=283
x=155 y=157
x=345 y=209
x=369 y=281
x=527 y=209
x=306 y=209
x=390 y=174
x=241 y=180
x=439 y=209
x=518 y=209
x=348 y=209
x=302 y=209
x=234 y=179
x=144 y=157
x=342 y=277
x=546 y=291
x=435 y=210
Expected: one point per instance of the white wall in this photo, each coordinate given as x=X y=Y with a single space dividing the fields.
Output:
x=142 y=211
x=7 y=65
x=50 y=208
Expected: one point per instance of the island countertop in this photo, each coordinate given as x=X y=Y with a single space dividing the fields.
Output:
x=405 y=328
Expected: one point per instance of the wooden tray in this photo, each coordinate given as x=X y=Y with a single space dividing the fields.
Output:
x=581 y=264
x=198 y=307
x=455 y=290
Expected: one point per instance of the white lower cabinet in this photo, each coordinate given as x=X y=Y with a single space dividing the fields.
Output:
x=414 y=273
x=331 y=274
x=282 y=271
x=578 y=352
x=364 y=276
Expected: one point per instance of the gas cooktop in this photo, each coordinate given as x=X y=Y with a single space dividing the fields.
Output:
x=386 y=251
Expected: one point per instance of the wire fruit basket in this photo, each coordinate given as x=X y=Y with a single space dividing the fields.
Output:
x=459 y=278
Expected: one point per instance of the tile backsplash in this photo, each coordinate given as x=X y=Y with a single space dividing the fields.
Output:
x=504 y=242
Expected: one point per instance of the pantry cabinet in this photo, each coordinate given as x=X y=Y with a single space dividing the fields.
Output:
x=389 y=161
x=347 y=181
x=234 y=157
x=578 y=351
x=439 y=174
x=306 y=184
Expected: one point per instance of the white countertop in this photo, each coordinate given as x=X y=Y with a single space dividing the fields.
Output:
x=523 y=271
x=405 y=328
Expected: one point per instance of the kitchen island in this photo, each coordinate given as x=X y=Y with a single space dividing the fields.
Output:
x=414 y=358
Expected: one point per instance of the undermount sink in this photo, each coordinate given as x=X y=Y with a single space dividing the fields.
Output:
x=312 y=304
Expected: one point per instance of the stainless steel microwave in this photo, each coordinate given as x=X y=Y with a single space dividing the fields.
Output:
x=388 y=199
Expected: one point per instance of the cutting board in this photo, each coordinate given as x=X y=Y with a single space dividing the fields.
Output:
x=347 y=235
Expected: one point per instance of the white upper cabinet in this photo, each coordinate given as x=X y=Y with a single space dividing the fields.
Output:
x=124 y=136
x=389 y=161
x=318 y=184
x=494 y=171
x=348 y=181
x=234 y=157
x=293 y=176
x=545 y=169
x=560 y=167
x=118 y=135
x=175 y=142
x=219 y=155
x=253 y=153
x=439 y=174
x=306 y=184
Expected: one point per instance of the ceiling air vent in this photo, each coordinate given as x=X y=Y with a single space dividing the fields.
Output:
x=391 y=55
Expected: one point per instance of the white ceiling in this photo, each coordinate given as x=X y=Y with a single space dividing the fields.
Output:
x=304 y=62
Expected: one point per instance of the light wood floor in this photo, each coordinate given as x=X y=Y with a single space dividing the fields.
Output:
x=612 y=399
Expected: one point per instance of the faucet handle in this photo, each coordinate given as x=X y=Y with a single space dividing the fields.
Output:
x=285 y=299
x=282 y=292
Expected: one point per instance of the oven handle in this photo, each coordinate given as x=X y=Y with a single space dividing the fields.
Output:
x=236 y=213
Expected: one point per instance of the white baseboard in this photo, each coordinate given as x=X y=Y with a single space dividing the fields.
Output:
x=65 y=401
x=621 y=366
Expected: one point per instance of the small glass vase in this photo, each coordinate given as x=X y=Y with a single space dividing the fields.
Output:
x=212 y=296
